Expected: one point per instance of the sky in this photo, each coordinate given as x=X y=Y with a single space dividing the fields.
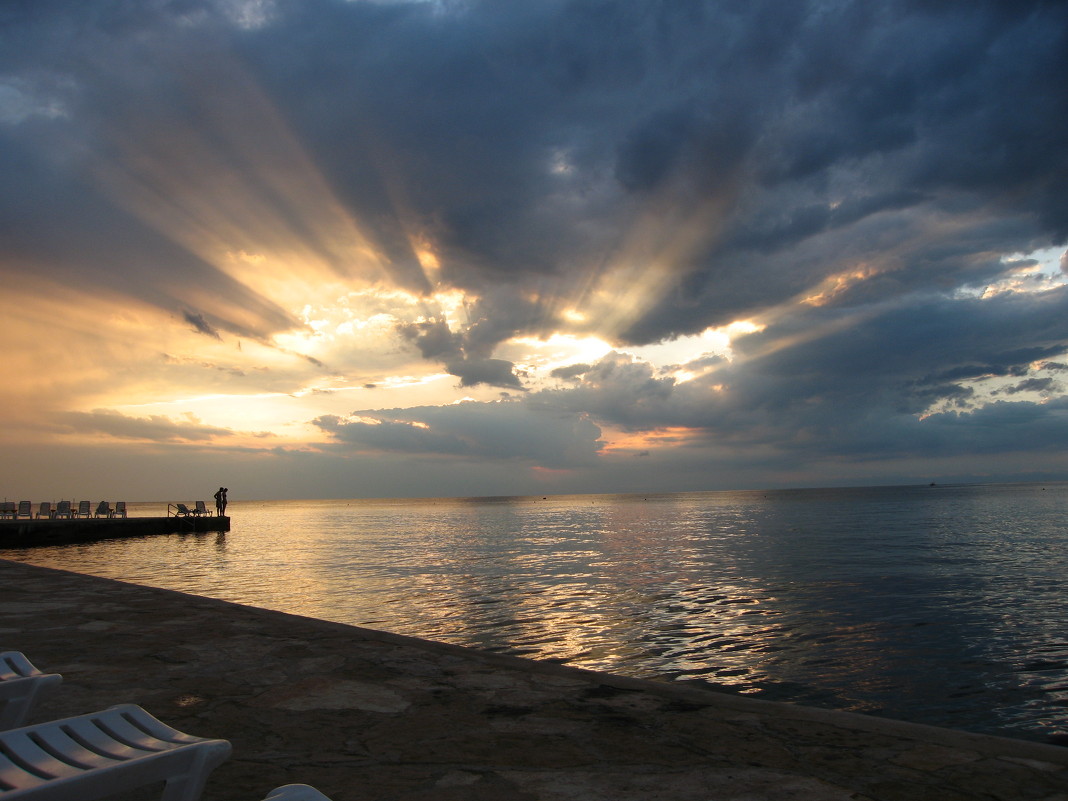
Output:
x=426 y=248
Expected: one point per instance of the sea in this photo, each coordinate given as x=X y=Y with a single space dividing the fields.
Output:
x=942 y=605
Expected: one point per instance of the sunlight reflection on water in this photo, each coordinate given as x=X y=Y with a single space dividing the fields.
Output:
x=938 y=605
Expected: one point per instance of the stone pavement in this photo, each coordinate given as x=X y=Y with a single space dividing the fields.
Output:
x=362 y=714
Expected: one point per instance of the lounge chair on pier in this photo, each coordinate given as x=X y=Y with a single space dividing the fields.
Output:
x=120 y=509
x=45 y=510
x=103 y=754
x=103 y=509
x=21 y=684
x=62 y=510
x=201 y=510
x=25 y=509
x=7 y=509
x=181 y=510
x=83 y=509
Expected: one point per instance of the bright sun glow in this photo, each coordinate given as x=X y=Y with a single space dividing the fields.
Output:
x=542 y=356
x=682 y=350
x=647 y=440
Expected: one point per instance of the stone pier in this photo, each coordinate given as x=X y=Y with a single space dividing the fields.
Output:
x=29 y=533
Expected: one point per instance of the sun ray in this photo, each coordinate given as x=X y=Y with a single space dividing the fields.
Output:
x=658 y=249
x=256 y=208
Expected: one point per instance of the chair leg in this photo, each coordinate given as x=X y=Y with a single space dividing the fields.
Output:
x=189 y=784
x=13 y=714
x=184 y=788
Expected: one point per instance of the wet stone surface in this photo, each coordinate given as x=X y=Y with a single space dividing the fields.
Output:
x=367 y=715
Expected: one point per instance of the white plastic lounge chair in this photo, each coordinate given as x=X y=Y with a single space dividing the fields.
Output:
x=21 y=684
x=120 y=509
x=295 y=792
x=45 y=510
x=62 y=510
x=201 y=509
x=102 y=754
x=25 y=509
x=83 y=509
x=103 y=509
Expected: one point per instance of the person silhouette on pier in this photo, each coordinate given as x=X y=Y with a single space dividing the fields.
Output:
x=220 y=501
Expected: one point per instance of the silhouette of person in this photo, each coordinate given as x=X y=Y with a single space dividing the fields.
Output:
x=220 y=502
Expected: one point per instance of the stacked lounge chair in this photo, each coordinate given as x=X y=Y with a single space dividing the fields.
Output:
x=103 y=753
x=65 y=509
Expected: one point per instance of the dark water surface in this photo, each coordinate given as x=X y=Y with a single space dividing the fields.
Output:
x=940 y=605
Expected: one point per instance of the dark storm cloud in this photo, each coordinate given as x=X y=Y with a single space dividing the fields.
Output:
x=495 y=372
x=1033 y=385
x=507 y=431
x=200 y=325
x=434 y=339
x=572 y=372
x=501 y=313
x=807 y=120
x=859 y=389
x=826 y=153
x=908 y=146
x=867 y=386
x=619 y=390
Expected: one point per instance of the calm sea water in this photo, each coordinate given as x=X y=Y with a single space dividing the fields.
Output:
x=941 y=605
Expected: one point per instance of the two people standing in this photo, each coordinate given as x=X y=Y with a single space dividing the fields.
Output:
x=220 y=501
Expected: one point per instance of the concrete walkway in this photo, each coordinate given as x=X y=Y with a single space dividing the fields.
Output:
x=362 y=714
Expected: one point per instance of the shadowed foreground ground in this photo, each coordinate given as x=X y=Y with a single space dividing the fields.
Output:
x=367 y=715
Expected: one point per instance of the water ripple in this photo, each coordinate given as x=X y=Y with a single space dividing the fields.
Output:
x=940 y=605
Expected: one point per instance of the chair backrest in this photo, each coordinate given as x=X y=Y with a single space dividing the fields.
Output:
x=21 y=684
x=25 y=508
x=63 y=508
x=201 y=507
x=181 y=507
x=15 y=665
x=83 y=507
x=120 y=506
x=46 y=508
x=103 y=508
x=7 y=507
x=103 y=754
